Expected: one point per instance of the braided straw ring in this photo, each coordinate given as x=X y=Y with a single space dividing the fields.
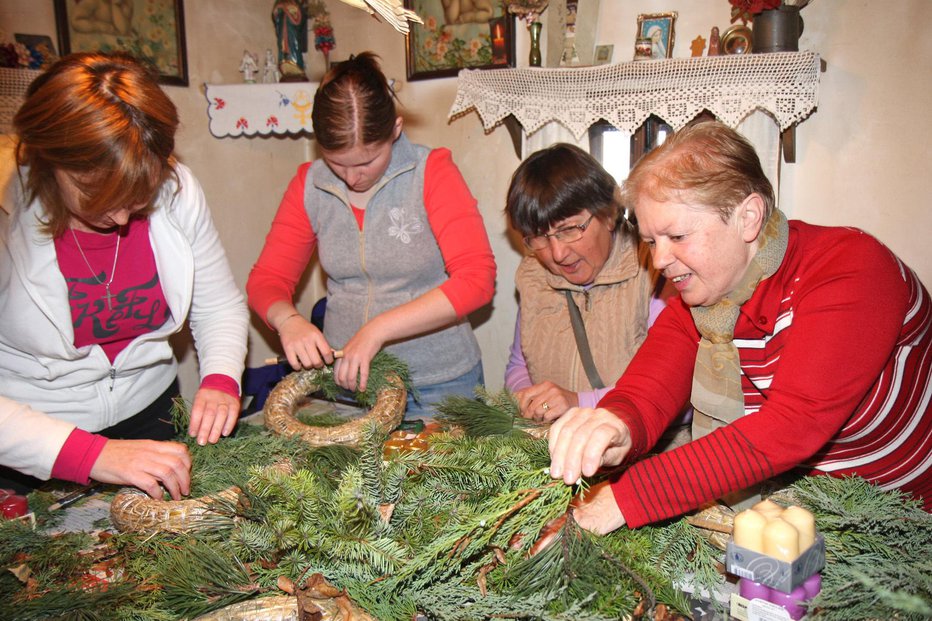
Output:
x=131 y=510
x=283 y=402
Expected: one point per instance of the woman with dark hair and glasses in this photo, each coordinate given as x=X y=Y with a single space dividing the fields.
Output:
x=585 y=291
x=399 y=235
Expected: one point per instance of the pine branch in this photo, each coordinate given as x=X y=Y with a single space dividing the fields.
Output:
x=430 y=530
x=486 y=415
x=72 y=603
x=201 y=578
x=382 y=369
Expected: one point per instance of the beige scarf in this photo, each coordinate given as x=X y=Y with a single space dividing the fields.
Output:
x=717 y=397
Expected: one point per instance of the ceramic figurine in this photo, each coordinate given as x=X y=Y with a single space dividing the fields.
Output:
x=715 y=42
x=270 y=74
x=249 y=66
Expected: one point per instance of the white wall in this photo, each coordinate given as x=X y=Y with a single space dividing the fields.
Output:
x=863 y=158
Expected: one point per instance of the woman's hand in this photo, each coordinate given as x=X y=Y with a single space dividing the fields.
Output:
x=146 y=464
x=213 y=414
x=545 y=401
x=304 y=345
x=597 y=511
x=358 y=354
x=584 y=440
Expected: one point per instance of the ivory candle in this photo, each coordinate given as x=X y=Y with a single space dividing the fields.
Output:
x=748 y=530
x=768 y=508
x=804 y=522
x=781 y=540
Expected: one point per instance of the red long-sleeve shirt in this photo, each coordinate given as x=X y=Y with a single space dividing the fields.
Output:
x=459 y=231
x=836 y=361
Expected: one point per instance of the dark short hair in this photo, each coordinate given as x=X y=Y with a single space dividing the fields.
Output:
x=557 y=183
x=707 y=163
x=102 y=116
x=354 y=104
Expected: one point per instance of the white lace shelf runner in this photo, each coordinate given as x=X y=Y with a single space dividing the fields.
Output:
x=13 y=85
x=264 y=109
x=785 y=84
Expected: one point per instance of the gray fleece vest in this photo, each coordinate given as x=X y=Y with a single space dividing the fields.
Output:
x=393 y=260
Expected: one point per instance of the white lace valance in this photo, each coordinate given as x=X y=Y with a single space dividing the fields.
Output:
x=786 y=85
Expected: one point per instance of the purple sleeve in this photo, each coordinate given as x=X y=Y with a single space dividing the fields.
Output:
x=591 y=398
x=656 y=307
x=516 y=373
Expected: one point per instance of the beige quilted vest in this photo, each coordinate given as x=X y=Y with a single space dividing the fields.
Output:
x=614 y=311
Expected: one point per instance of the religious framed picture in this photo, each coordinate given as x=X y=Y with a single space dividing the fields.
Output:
x=603 y=54
x=658 y=27
x=151 y=30
x=474 y=34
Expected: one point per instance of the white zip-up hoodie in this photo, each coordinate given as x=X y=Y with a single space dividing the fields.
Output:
x=47 y=385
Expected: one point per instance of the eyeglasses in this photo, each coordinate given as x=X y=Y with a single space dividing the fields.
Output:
x=566 y=235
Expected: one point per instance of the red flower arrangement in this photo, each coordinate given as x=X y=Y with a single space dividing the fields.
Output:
x=745 y=10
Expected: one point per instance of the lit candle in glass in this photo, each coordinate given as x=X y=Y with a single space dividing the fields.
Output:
x=499 y=53
x=498 y=38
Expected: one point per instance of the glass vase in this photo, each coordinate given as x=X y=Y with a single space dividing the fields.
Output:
x=534 y=57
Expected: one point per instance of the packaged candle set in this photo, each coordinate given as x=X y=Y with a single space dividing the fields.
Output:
x=777 y=554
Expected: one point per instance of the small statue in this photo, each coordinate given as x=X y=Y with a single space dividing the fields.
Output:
x=290 y=19
x=270 y=74
x=249 y=66
x=715 y=42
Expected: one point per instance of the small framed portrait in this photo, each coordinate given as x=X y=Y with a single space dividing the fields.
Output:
x=658 y=27
x=151 y=30
x=455 y=35
x=603 y=54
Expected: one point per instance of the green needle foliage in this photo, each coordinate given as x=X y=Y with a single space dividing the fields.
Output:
x=877 y=547
x=487 y=415
x=217 y=578
x=445 y=532
x=382 y=368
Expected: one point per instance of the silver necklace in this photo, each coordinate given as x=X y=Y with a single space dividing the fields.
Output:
x=109 y=297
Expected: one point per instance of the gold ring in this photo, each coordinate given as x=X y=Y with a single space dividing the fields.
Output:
x=545 y=406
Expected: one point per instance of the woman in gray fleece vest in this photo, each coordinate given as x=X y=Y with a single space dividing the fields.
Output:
x=399 y=235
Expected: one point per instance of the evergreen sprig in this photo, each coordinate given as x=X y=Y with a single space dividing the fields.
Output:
x=446 y=532
x=489 y=414
x=382 y=371
x=199 y=577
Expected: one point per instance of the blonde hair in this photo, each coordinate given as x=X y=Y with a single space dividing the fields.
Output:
x=707 y=163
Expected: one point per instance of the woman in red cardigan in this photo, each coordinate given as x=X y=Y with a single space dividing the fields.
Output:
x=799 y=347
